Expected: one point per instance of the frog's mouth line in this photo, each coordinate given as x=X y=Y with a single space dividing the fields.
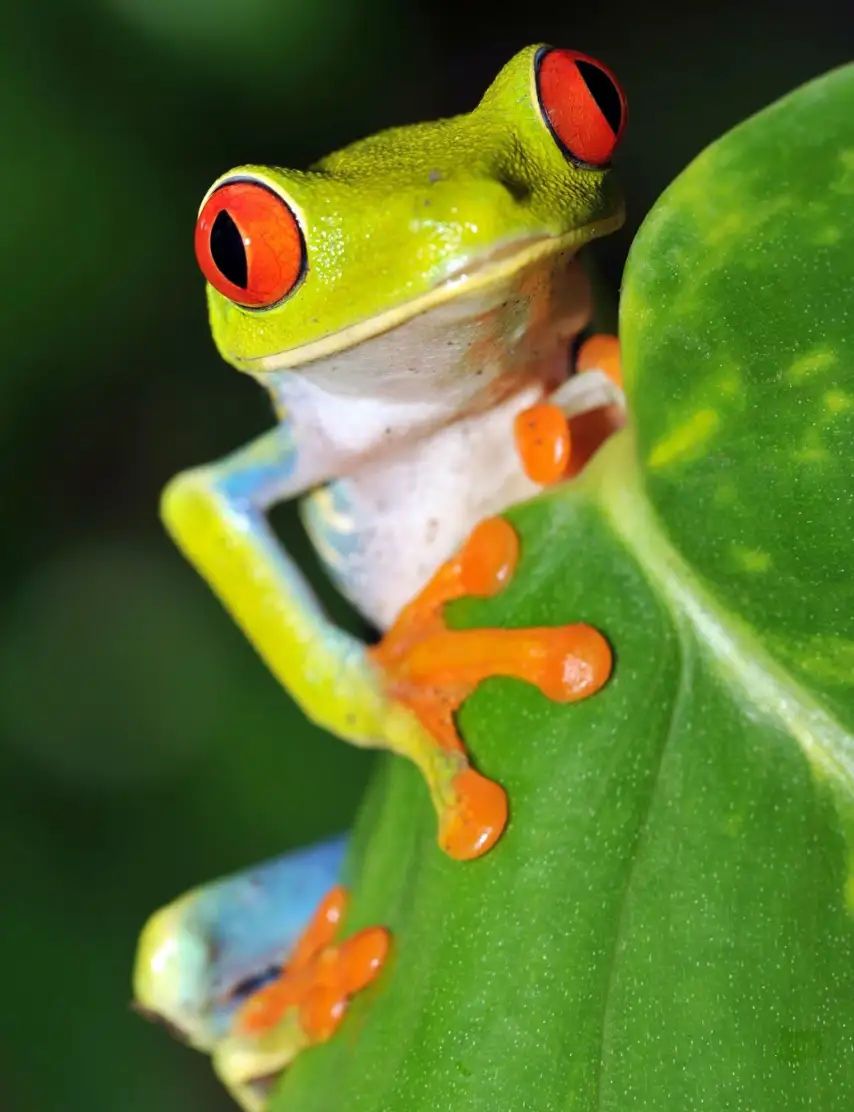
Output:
x=478 y=275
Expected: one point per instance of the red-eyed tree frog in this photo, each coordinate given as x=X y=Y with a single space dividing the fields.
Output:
x=409 y=304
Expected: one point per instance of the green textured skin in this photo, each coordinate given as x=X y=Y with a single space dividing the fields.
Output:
x=668 y=923
x=388 y=218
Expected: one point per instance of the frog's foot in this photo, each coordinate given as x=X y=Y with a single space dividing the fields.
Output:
x=432 y=670
x=301 y=1007
x=556 y=438
x=318 y=981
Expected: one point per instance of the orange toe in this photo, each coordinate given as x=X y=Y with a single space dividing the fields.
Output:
x=319 y=978
x=543 y=443
x=322 y=928
x=475 y=820
x=601 y=353
x=362 y=958
x=321 y=1011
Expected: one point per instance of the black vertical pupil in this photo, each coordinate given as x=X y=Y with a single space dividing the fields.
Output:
x=227 y=250
x=604 y=92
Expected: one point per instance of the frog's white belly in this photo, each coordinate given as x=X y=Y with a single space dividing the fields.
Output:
x=385 y=529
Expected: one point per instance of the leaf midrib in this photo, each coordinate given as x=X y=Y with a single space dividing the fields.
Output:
x=637 y=854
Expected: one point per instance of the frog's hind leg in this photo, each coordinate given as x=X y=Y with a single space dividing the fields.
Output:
x=302 y=1005
x=201 y=955
x=248 y=969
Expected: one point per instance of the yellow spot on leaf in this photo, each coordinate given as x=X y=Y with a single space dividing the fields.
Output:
x=726 y=494
x=686 y=441
x=733 y=224
x=750 y=559
x=849 y=889
x=826 y=658
x=811 y=364
x=734 y=824
x=732 y=220
x=812 y=449
x=837 y=401
x=845 y=182
x=827 y=236
x=813 y=454
x=729 y=383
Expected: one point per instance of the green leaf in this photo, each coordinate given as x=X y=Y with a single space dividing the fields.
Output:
x=667 y=923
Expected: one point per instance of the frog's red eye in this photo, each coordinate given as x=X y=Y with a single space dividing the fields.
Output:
x=249 y=244
x=583 y=104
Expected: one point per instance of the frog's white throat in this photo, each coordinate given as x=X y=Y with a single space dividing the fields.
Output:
x=463 y=355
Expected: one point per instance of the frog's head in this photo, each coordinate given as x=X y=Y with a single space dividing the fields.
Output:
x=303 y=264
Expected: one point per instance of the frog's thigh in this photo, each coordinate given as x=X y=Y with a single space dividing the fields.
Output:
x=196 y=952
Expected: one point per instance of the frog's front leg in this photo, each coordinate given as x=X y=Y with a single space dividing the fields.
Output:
x=217 y=516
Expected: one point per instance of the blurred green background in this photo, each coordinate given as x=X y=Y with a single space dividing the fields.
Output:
x=143 y=747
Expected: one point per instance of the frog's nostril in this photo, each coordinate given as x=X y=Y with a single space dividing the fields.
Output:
x=227 y=250
x=520 y=191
